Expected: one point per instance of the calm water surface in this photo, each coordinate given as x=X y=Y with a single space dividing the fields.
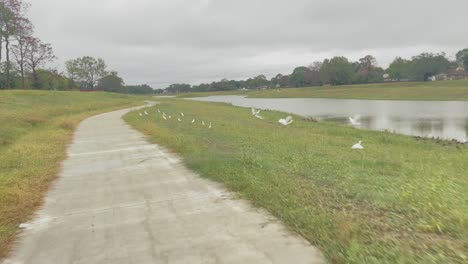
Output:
x=442 y=119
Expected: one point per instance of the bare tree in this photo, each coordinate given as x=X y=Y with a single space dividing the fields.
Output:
x=37 y=54
x=19 y=52
x=19 y=49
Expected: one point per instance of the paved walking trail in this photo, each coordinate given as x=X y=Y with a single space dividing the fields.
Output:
x=121 y=199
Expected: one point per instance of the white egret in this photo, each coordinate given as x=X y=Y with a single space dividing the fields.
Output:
x=159 y=111
x=146 y=113
x=210 y=125
x=203 y=123
x=354 y=120
x=255 y=111
x=170 y=117
x=178 y=119
x=193 y=121
x=140 y=114
x=164 y=117
x=182 y=114
x=358 y=145
x=286 y=121
x=259 y=116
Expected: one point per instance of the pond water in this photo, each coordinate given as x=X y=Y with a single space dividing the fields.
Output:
x=438 y=119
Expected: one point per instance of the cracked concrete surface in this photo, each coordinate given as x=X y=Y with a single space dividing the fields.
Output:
x=121 y=199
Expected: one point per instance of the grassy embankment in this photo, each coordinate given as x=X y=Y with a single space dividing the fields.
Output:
x=401 y=200
x=440 y=90
x=35 y=127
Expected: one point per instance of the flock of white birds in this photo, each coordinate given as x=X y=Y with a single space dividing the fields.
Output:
x=256 y=113
x=180 y=117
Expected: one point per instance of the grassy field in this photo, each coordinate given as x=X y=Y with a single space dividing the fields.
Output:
x=35 y=127
x=441 y=90
x=400 y=200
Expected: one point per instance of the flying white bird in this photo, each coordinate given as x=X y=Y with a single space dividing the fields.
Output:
x=203 y=123
x=255 y=111
x=358 y=145
x=354 y=121
x=193 y=121
x=146 y=113
x=210 y=125
x=259 y=116
x=182 y=114
x=286 y=121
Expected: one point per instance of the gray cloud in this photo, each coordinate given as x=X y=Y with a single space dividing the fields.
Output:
x=166 y=41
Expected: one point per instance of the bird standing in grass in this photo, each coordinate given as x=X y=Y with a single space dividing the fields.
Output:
x=182 y=114
x=178 y=119
x=286 y=121
x=146 y=113
x=357 y=145
x=203 y=123
x=159 y=111
x=164 y=117
x=209 y=126
x=140 y=114
x=193 y=121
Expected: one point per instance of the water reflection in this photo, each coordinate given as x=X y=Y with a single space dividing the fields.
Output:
x=438 y=119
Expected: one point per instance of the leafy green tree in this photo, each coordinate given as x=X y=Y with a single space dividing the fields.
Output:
x=337 y=71
x=179 y=88
x=462 y=58
x=261 y=81
x=276 y=81
x=139 y=89
x=51 y=80
x=399 y=69
x=111 y=83
x=425 y=65
x=367 y=70
x=72 y=69
x=87 y=71
x=298 y=76
x=465 y=62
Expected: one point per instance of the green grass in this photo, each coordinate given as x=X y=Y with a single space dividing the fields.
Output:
x=440 y=90
x=35 y=128
x=401 y=200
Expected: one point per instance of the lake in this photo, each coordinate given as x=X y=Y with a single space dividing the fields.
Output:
x=438 y=119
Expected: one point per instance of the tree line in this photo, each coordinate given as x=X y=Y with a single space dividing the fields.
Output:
x=23 y=57
x=341 y=71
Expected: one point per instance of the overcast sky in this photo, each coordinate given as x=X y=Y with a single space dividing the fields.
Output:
x=159 y=42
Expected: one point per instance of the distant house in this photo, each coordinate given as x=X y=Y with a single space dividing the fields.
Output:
x=386 y=77
x=453 y=74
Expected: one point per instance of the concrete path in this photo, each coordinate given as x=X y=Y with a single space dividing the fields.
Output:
x=121 y=199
